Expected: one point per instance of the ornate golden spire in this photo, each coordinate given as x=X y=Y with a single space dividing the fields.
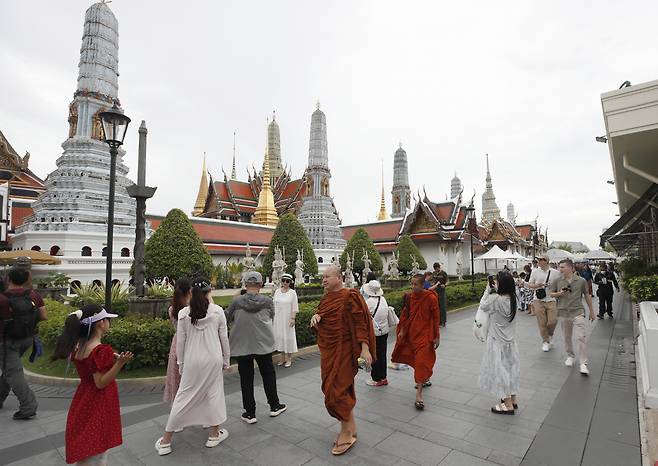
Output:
x=201 y=197
x=382 y=215
x=266 y=212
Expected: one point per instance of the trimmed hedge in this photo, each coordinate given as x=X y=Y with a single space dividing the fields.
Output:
x=149 y=339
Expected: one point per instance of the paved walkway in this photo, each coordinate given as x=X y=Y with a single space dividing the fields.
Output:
x=564 y=418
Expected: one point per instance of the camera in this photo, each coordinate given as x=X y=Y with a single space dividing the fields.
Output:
x=567 y=288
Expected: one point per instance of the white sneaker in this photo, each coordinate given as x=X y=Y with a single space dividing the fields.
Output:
x=162 y=448
x=584 y=370
x=214 y=441
x=569 y=362
x=545 y=347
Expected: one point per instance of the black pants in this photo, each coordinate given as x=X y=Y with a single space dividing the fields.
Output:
x=267 y=372
x=379 y=367
x=605 y=304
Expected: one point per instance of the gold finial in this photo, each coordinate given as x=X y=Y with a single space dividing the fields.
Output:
x=266 y=213
x=382 y=215
x=200 y=204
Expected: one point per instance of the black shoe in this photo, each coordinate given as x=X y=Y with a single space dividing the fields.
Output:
x=276 y=410
x=249 y=418
x=610 y=314
x=18 y=416
x=600 y=317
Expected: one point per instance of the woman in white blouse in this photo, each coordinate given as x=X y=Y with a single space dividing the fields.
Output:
x=285 y=310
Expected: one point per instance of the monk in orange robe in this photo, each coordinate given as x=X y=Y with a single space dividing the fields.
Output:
x=418 y=334
x=345 y=333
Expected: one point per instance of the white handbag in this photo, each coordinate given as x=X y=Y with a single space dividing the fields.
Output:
x=392 y=317
x=481 y=325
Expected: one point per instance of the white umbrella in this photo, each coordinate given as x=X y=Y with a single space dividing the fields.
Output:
x=556 y=255
x=599 y=255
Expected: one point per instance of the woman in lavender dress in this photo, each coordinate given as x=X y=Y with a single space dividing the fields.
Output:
x=181 y=298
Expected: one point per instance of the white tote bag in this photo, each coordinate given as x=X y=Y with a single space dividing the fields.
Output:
x=481 y=325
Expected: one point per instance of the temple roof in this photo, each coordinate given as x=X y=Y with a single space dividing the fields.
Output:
x=14 y=168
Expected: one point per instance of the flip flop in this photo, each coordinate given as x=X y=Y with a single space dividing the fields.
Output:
x=341 y=448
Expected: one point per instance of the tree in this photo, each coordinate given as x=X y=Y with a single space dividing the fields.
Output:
x=359 y=242
x=407 y=248
x=175 y=250
x=564 y=247
x=291 y=236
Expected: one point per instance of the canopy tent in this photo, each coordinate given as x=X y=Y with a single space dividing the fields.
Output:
x=37 y=257
x=599 y=254
x=556 y=255
x=496 y=253
x=521 y=257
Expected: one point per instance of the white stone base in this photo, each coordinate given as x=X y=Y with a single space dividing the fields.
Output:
x=84 y=269
x=648 y=352
x=327 y=255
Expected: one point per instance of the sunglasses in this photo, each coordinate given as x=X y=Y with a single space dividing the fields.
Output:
x=285 y=280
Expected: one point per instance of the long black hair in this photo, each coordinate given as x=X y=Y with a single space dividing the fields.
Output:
x=183 y=286
x=75 y=331
x=507 y=287
x=199 y=302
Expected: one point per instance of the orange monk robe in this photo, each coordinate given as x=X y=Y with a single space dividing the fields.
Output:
x=419 y=323
x=345 y=323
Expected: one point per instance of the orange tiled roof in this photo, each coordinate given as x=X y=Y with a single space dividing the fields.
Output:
x=225 y=232
x=18 y=215
x=378 y=232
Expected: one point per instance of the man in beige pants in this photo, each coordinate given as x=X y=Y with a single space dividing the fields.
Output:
x=544 y=305
x=569 y=291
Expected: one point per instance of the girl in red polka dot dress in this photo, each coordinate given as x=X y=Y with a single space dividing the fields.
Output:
x=93 y=425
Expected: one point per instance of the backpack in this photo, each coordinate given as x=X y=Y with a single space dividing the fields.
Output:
x=24 y=316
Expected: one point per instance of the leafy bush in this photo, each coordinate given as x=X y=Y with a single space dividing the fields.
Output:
x=53 y=280
x=95 y=294
x=175 y=250
x=148 y=338
x=159 y=290
x=407 y=248
x=643 y=288
x=305 y=337
x=291 y=236
x=359 y=242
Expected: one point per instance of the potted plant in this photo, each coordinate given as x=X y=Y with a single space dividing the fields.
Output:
x=53 y=286
x=156 y=301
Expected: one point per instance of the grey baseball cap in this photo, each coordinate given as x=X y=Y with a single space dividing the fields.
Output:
x=253 y=278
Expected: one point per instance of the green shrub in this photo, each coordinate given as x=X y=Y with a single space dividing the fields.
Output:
x=149 y=339
x=643 y=288
x=290 y=236
x=53 y=280
x=305 y=337
x=175 y=250
x=407 y=248
x=359 y=242
x=159 y=290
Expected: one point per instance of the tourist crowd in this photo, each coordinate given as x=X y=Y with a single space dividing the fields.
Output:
x=352 y=329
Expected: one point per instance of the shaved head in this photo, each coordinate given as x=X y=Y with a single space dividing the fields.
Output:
x=332 y=278
x=333 y=270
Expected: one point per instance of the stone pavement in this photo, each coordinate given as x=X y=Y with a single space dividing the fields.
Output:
x=564 y=418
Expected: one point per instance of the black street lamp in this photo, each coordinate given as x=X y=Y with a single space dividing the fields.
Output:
x=472 y=226
x=115 y=125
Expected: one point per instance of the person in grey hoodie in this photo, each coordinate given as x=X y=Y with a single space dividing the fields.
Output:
x=251 y=336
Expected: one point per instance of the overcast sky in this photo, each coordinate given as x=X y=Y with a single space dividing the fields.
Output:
x=452 y=81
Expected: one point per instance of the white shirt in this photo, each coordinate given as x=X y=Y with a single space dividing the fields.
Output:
x=538 y=277
x=380 y=319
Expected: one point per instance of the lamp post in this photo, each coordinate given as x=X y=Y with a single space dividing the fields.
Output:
x=470 y=211
x=115 y=125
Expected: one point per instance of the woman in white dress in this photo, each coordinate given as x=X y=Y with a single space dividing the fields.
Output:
x=202 y=351
x=285 y=310
x=499 y=371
